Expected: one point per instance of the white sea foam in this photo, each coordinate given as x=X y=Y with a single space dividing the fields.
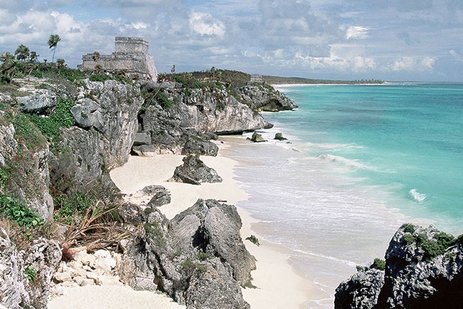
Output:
x=417 y=196
x=344 y=161
x=331 y=258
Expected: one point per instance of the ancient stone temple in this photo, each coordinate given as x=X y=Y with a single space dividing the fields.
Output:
x=131 y=57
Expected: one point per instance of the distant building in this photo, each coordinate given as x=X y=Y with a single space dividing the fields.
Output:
x=258 y=79
x=131 y=57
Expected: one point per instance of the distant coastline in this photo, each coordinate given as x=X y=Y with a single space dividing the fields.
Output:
x=279 y=80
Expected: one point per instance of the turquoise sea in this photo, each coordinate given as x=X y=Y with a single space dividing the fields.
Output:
x=360 y=161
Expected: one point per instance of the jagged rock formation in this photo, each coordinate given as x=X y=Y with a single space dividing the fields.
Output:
x=25 y=276
x=195 y=172
x=263 y=97
x=39 y=101
x=424 y=269
x=181 y=121
x=27 y=166
x=106 y=118
x=198 y=257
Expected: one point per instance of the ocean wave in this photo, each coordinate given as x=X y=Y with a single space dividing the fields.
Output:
x=417 y=196
x=344 y=161
x=327 y=257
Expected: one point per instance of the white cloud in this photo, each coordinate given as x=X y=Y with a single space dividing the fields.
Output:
x=456 y=55
x=413 y=64
x=205 y=24
x=356 y=32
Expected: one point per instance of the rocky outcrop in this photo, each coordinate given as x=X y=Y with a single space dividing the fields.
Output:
x=257 y=138
x=263 y=97
x=195 y=172
x=424 y=269
x=180 y=120
x=38 y=101
x=28 y=176
x=106 y=115
x=8 y=144
x=25 y=276
x=198 y=258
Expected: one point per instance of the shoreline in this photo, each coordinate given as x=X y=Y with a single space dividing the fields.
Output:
x=277 y=283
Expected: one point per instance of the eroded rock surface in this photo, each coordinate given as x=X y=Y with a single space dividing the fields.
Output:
x=424 y=269
x=194 y=171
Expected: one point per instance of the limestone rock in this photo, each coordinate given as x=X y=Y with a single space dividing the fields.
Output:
x=198 y=258
x=86 y=155
x=257 y=138
x=39 y=262
x=86 y=113
x=264 y=97
x=39 y=101
x=361 y=291
x=8 y=144
x=161 y=197
x=424 y=269
x=279 y=137
x=194 y=171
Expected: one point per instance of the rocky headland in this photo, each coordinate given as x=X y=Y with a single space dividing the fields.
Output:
x=60 y=136
x=423 y=268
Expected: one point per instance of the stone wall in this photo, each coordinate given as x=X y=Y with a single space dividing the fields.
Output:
x=131 y=56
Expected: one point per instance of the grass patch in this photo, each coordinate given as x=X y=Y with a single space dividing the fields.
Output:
x=26 y=132
x=70 y=208
x=61 y=117
x=18 y=212
x=3 y=178
x=163 y=100
x=190 y=266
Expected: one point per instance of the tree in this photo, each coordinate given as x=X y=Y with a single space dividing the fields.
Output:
x=22 y=52
x=53 y=43
x=33 y=56
x=60 y=63
x=7 y=68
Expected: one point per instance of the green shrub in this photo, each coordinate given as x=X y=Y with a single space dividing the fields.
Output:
x=408 y=239
x=202 y=256
x=435 y=246
x=253 y=239
x=3 y=178
x=71 y=207
x=409 y=228
x=61 y=117
x=30 y=273
x=378 y=264
x=18 y=212
x=98 y=77
x=163 y=100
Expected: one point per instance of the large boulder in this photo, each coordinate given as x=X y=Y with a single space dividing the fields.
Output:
x=198 y=258
x=194 y=171
x=107 y=115
x=39 y=101
x=424 y=269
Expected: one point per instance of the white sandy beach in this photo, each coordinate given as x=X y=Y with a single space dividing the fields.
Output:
x=278 y=286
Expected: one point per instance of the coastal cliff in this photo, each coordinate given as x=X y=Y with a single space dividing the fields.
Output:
x=423 y=269
x=60 y=138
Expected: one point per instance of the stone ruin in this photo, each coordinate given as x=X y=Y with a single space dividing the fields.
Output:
x=131 y=57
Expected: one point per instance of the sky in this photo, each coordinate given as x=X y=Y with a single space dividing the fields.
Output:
x=333 y=39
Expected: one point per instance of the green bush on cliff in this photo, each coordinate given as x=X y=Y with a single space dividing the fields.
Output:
x=18 y=212
x=163 y=100
x=72 y=206
x=60 y=118
x=378 y=264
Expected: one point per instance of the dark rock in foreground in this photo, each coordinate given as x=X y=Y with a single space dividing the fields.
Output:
x=279 y=137
x=198 y=258
x=424 y=269
x=194 y=171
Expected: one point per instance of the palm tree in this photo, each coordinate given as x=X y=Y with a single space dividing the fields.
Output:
x=33 y=56
x=22 y=52
x=52 y=43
